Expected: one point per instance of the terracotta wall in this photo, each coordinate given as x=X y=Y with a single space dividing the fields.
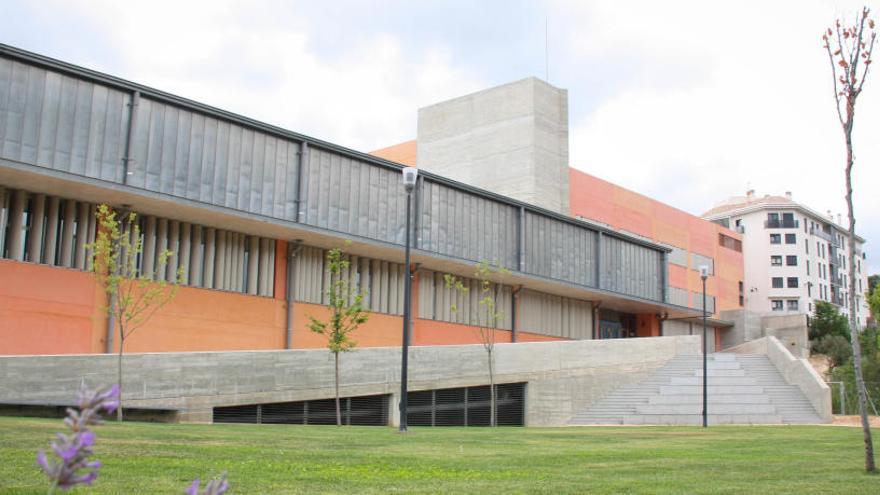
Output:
x=48 y=310
x=599 y=200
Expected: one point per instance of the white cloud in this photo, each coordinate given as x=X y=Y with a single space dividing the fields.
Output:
x=256 y=59
x=752 y=107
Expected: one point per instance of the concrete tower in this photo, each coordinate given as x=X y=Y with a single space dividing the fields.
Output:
x=510 y=139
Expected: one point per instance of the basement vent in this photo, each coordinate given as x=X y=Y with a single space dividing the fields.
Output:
x=468 y=406
x=369 y=410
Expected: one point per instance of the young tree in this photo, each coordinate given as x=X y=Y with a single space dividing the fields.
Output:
x=346 y=314
x=850 y=48
x=827 y=321
x=134 y=296
x=488 y=315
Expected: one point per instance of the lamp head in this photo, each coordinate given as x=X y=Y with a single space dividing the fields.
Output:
x=410 y=174
x=704 y=272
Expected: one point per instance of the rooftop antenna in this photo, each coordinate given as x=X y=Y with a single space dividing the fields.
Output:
x=546 y=51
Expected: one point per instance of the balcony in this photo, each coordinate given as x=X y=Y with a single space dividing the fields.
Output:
x=824 y=235
x=781 y=224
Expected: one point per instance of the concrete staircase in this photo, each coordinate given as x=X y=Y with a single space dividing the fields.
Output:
x=742 y=389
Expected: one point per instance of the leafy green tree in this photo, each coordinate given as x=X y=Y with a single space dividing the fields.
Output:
x=488 y=315
x=134 y=296
x=346 y=315
x=874 y=301
x=835 y=347
x=827 y=320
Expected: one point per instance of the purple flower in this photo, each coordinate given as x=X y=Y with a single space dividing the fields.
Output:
x=214 y=487
x=72 y=466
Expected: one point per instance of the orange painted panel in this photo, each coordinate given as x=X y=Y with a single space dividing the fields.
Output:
x=647 y=325
x=46 y=310
x=380 y=330
x=212 y=320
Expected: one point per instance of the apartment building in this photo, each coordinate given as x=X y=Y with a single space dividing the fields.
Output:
x=794 y=255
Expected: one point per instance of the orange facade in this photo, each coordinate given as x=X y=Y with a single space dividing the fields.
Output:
x=602 y=201
x=52 y=310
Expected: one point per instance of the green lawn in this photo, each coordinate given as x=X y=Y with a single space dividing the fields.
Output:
x=163 y=458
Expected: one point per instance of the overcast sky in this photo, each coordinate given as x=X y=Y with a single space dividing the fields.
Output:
x=687 y=102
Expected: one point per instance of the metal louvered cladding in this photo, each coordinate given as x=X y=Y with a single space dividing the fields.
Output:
x=678 y=296
x=436 y=302
x=46 y=229
x=467 y=406
x=556 y=316
x=61 y=122
x=348 y=195
x=380 y=282
x=560 y=250
x=207 y=257
x=630 y=268
x=371 y=410
x=71 y=121
x=191 y=155
x=464 y=225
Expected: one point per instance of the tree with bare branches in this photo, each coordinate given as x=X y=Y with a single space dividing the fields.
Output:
x=488 y=316
x=850 y=48
x=134 y=295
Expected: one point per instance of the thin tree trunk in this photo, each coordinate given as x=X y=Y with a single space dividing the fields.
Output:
x=119 y=374
x=492 y=421
x=853 y=306
x=338 y=411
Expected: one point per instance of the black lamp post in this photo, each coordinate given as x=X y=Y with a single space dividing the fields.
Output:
x=704 y=274
x=410 y=174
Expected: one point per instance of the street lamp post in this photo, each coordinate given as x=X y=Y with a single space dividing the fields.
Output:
x=704 y=274
x=410 y=174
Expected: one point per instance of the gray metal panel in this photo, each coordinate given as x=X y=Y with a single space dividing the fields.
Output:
x=560 y=250
x=187 y=154
x=631 y=269
x=678 y=256
x=698 y=259
x=553 y=315
x=678 y=296
x=61 y=122
x=436 y=301
x=457 y=223
x=351 y=196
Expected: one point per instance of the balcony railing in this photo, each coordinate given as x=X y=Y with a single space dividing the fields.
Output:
x=781 y=224
x=824 y=235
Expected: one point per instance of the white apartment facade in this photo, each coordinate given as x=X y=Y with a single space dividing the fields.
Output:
x=793 y=256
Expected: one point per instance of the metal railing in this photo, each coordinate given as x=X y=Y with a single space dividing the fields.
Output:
x=781 y=224
x=845 y=399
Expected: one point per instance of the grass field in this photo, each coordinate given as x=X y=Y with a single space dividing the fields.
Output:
x=163 y=458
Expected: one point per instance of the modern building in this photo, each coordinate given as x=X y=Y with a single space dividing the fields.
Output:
x=513 y=140
x=794 y=255
x=249 y=210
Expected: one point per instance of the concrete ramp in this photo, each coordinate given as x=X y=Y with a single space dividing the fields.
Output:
x=742 y=389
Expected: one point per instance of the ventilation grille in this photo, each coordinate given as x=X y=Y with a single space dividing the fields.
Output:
x=468 y=406
x=357 y=411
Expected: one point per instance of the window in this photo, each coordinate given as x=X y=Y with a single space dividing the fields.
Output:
x=730 y=242
x=776 y=304
x=792 y=282
x=792 y=304
x=773 y=217
x=810 y=305
x=776 y=261
x=817 y=250
x=788 y=217
x=742 y=298
x=790 y=238
x=777 y=282
x=791 y=260
x=807 y=246
x=810 y=289
x=808 y=267
x=823 y=250
x=775 y=238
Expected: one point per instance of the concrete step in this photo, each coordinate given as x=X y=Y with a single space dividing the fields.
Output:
x=742 y=389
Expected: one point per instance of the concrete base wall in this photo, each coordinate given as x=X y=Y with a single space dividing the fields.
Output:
x=795 y=370
x=563 y=377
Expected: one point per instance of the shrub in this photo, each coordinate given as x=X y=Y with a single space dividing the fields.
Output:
x=835 y=347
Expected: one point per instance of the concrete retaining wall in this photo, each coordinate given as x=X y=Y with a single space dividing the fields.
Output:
x=796 y=371
x=563 y=377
